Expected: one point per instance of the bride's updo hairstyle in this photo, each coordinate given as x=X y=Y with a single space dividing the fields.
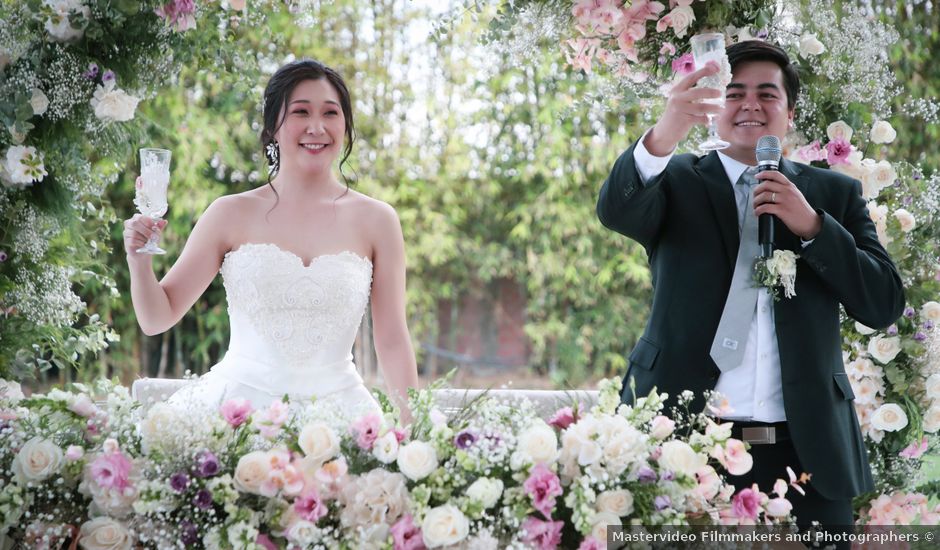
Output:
x=278 y=91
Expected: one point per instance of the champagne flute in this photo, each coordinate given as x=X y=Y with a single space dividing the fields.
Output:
x=150 y=197
x=705 y=48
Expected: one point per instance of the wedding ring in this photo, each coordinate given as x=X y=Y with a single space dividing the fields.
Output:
x=773 y=198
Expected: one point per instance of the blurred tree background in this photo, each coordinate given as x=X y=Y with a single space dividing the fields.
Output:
x=493 y=166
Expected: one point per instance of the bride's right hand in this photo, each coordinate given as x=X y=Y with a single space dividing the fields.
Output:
x=137 y=231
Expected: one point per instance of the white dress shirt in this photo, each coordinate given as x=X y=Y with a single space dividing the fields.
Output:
x=754 y=390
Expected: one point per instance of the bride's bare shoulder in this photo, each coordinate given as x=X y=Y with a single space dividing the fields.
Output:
x=241 y=204
x=371 y=210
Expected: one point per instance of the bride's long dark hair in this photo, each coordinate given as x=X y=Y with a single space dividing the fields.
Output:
x=278 y=91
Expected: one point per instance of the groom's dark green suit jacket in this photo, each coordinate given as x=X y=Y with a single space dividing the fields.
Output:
x=686 y=220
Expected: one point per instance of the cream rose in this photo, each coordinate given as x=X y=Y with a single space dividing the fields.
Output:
x=883 y=349
x=889 y=417
x=379 y=497
x=933 y=386
x=113 y=104
x=104 y=533
x=810 y=45
x=931 y=311
x=444 y=525
x=932 y=419
x=318 y=442
x=539 y=443
x=38 y=460
x=618 y=502
x=839 y=130
x=882 y=132
x=417 y=460
x=386 y=448
x=486 y=491
x=661 y=427
x=679 y=457
x=600 y=522
x=878 y=176
x=39 y=102
x=906 y=219
x=252 y=471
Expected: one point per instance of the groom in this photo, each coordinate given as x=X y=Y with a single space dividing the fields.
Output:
x=781 y=370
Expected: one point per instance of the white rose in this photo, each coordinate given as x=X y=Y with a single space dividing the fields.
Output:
x=39 y=102
x=661 y=427
x=877 y=177
x=38 y=460
x=10 y=391
x=863 y=330
x=417 y=460
x=882 y=132
x=933 y=386
x=318 y=442
x=810 y=45
x=855 y=168
x=486 y=491
x=931 y=311
x=113 y=104
x=104 y=533
x=444 y=525
x=618 y=502
x=24 y=165
x=158 y=427
x=600 y=522
x=889 y=417
x=539 y=443
x=784 y=263
x=906 y=219
x=679 y=457
x=884 y=349
x=58 y=25
x=252 y=470
x=932 y=419
x=839 y=130
x=681 y=18
x=386 y=448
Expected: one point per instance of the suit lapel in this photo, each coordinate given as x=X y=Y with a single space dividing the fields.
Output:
x=721 y=197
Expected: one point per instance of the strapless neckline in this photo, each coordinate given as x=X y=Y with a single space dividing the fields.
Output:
x=245 y=247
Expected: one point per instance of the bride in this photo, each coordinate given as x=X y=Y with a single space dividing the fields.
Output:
x=299 y=258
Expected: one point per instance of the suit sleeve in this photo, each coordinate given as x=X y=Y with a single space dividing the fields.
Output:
x=630 y=207
x=851 y=260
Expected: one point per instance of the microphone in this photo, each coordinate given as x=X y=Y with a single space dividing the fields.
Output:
x=768 y=158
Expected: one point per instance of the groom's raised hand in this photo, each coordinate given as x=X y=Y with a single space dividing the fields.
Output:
x=683 y=111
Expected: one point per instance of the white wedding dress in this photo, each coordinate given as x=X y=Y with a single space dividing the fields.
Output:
x=292 y=331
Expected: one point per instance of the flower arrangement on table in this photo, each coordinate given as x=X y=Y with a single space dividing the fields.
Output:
x=109 y=475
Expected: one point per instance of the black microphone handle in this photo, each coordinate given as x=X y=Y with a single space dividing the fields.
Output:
x=765 y=225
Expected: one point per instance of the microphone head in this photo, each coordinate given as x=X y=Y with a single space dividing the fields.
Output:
x=768 y=150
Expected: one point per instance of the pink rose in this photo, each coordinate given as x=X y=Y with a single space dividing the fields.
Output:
x=684 y=65
x=544 y=535
x=111 y=470
x=310 y=506
x=562 y=418
x=236 y=411
x=746 y=504
x=543 y=486
x=73 y=453
x=811 y=152
x=366 y=430
x=406 y=535
x=838 y=151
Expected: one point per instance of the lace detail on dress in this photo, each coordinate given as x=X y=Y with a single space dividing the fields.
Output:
x=297 y=309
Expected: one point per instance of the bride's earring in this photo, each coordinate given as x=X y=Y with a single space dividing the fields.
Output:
x=273 y=153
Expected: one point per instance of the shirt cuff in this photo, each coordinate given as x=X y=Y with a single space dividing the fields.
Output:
x=647 y=165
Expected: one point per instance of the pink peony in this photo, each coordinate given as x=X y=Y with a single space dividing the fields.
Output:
x=366 y=430
x=746 y=504
x=543 y=486
x=310 y=506
x=544 y=535
x=915 y=450
x=112 y=470
x=406 y=535
x=837 y=152
x=236 y=411
x=562 y=418
x=684 y=65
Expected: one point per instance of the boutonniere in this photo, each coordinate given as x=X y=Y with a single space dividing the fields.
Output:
x=777 y=271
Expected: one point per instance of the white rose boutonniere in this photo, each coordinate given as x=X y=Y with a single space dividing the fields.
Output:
x=777 y=271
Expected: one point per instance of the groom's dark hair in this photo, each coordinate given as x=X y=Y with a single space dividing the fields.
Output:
x=758 y=50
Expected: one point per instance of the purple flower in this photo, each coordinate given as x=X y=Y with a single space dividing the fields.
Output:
x=662 y=502
x=762 y=34
x=908 y=200
x=189 y=535
x=909 y=312
x=108 y=75
x=646 y=475
x=207 y=465
x=92 y=72
x=3 y=256
x=203 y=499
x=920 y=336
x=465 y=439
x=892 y=330
x=667 y=475
x=928 y=324
x=179 y=482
